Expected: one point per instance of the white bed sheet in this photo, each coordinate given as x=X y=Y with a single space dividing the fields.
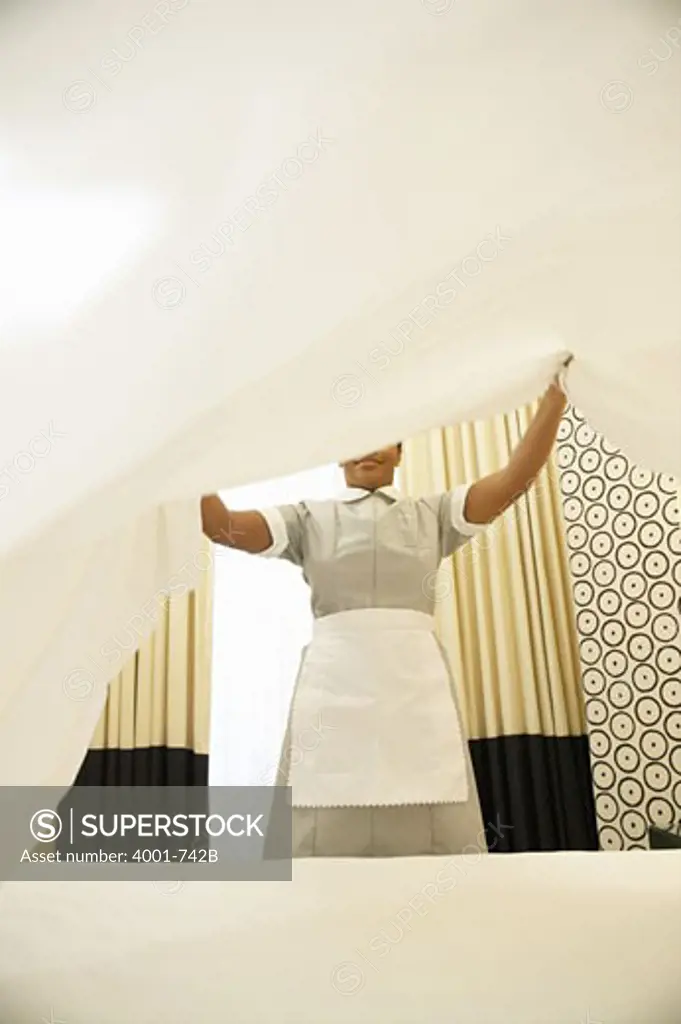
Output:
x=518 y=164
x=565 y=938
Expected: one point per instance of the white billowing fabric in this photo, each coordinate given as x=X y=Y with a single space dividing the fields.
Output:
x=565 y=938
x=242 y=240
x=374 y=701
x=81 y=612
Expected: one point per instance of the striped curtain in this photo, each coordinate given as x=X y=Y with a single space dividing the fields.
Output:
x=154 y=730
x=506 y=617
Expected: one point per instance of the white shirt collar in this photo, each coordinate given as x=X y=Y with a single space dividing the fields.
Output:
x=357 y=493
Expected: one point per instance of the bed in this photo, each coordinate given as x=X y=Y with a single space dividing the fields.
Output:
x=558 y=938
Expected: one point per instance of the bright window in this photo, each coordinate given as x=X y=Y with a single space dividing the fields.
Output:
x=262 y=620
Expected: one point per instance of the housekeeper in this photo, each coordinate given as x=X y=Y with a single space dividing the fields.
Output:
x=389 y=772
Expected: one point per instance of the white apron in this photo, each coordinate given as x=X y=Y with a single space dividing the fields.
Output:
x=374 y=721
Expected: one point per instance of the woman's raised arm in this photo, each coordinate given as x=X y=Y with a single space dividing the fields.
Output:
x=245 y=531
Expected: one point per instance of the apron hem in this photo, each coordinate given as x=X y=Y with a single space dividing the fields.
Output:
x=382 y=803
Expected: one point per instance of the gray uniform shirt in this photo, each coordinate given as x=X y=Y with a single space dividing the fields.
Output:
x=370 y=549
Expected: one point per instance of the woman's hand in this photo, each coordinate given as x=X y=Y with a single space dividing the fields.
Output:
x=489 y=497
x=559 y=381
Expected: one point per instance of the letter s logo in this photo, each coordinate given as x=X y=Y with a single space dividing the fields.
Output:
x=45 y=826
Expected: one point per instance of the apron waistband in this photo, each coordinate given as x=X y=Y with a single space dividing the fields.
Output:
x=373 y=619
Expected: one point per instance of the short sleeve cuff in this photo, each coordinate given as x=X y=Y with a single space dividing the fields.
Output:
x=457 y=506
x=277 y=525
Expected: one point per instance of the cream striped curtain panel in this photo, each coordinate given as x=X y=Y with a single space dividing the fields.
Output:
x=506 y=617
x=155 y=727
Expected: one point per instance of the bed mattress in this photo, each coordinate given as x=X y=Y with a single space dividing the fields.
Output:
x=560 y=938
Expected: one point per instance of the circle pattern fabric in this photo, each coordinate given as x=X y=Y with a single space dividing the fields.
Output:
x=623 y=537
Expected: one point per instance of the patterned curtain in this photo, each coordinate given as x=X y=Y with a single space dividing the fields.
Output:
x=625 y=558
